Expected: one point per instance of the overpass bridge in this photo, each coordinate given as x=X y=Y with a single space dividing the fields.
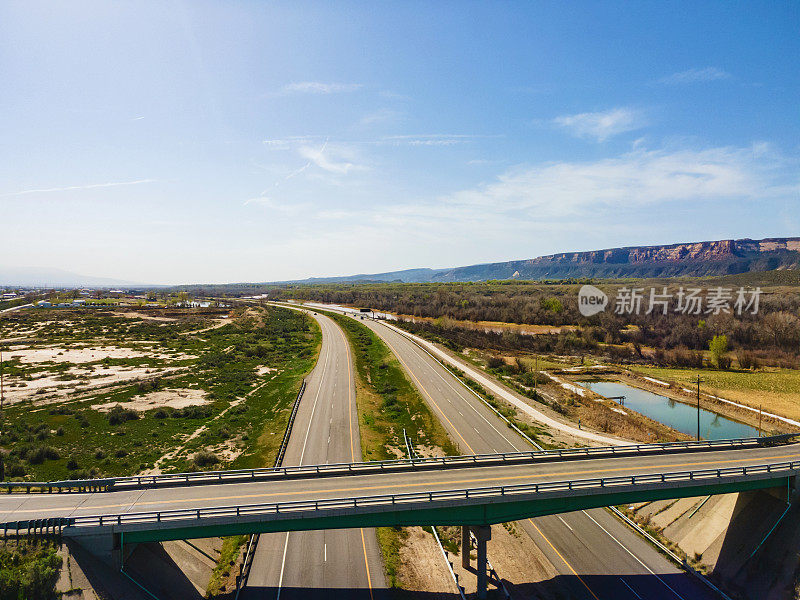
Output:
x=469 y=491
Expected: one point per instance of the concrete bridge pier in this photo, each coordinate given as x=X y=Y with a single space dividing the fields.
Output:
x=482 y=533
x=107 y=547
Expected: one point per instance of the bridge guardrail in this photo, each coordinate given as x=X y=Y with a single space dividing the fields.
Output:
x=298 y=508
x=469 y=460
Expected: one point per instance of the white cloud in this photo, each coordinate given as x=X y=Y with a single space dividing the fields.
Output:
x=639 y=178
x=71 y=188
x=318 y=87
x=601 y=125
x=695 y=76
x=336 y=159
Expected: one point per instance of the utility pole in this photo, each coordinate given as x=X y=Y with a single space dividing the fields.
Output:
x=759 y=419
x=698 y=407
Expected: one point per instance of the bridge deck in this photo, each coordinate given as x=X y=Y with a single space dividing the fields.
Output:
x=290 y=504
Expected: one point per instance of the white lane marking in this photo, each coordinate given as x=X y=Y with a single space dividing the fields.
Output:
x=302 y=454
x=565 y=523
x=325 y=559
x=314 y=406
x=633 y=591
x=624 y=547
x=283 y=565
x=418 y=352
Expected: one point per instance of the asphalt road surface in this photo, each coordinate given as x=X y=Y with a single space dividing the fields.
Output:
x=337 y=563
x=441 y=478
x=598 y=557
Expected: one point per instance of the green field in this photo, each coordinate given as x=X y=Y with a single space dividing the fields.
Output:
x=776 y=390
x=59 y=435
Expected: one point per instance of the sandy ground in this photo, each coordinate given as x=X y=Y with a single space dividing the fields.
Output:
x=514 y=555
x=138 y=315
x=86 y=372
x=179 y=398
x=217 y=324
x=58 y=354
x=232 y=451
x=51 y=388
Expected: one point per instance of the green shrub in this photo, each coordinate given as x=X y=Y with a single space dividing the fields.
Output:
x=29 y=572
x=43 y=453
x=204 y=458
x=118 y=415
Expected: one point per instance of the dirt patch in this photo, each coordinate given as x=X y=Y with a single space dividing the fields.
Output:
x=222 y=321
x=59 y=354
x=180 y=398
x=518 y=561
x=50 y=388
x=138 y=315
x=423 y=568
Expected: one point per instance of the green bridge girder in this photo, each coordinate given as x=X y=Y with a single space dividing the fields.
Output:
x=486 y=512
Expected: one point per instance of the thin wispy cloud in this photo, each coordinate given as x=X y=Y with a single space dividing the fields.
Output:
x=601 y=125
x=635 y=179
x=290 y=142
x=695 y=76
x=71 y=188
x=381 y=116
x=432 y=139
x=319 y=87
x=334 y=161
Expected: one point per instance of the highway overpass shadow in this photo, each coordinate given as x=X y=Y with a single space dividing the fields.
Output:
x=303 y=593
x=743 y=562
x=666 y=586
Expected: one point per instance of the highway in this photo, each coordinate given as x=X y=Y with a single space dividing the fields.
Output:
x=598 y=557
x=306 y=564
x=441 y=478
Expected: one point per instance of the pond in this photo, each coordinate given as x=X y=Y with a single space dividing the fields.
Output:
x=672 y=413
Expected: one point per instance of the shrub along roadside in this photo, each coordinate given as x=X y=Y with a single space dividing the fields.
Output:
x=387 y=403
x=28 y=570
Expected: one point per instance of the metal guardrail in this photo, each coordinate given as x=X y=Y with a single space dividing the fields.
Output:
x=397 y=465
x=299 y=508
x=289 y=425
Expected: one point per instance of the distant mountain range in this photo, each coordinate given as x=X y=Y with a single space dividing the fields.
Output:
x=697 y=259
x=56 y=278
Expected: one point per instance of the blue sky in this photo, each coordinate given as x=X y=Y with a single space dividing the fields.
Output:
x=251 y=141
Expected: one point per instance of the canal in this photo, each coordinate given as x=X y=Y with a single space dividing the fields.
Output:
x=679 y=416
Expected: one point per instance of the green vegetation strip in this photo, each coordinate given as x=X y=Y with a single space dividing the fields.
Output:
x=247 y=371
x=388 y=403
x=29 y=570
x=244 y=412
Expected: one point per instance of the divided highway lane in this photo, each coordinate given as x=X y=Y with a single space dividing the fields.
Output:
x=598 y=557
x=340 y=563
